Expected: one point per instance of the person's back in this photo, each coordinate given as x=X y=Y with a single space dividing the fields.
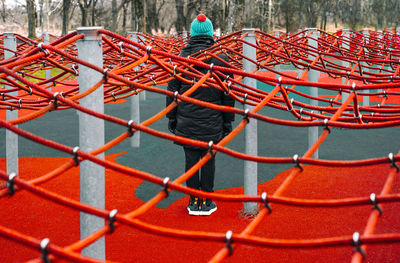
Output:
x=197 y=122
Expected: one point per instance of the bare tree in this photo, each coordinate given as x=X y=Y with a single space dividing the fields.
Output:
x=3 y=10
x=84 y=6
x=65 y=16
x=32 y=18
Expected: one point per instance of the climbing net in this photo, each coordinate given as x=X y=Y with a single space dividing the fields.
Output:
x=369 y=66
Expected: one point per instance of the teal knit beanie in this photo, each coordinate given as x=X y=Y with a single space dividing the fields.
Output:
x=201 y=25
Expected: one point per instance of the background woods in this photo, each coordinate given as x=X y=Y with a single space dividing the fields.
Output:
x=169 y=16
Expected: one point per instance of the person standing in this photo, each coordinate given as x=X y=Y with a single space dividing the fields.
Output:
x=200 y=123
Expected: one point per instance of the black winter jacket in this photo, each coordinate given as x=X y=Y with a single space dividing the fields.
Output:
x=194 y=121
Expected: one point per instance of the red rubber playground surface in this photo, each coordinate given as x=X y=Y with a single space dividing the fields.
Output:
x=317 y=210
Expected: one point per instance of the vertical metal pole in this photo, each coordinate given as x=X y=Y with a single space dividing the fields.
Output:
x=46 y=41
x=91 y=136
x=10 y=42
x=251 y=140
x=366 y=37
x=277 y=34
x=313 y=75
x=135 y=105
x=345 y=45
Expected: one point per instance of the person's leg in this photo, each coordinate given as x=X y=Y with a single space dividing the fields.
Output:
x=207 y=184
x=191 y=158
x=208 y=174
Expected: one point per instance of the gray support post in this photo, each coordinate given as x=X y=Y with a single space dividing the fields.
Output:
x=313 y=75
x=135 y=106
x=134 y=38
x=345 y=45
x=91 y=136
x=277 y=34
x=10 y=42
x=366 y=37
x=46 y=41
x=251 y=140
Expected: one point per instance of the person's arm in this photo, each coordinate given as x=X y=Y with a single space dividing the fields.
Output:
x=173 y=85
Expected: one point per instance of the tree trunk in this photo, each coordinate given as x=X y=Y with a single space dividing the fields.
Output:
x=3 y=10
x=269 y=25
x=32 y=17
x=65 y=16
x=144 y=16
x=125 y=13
x=179 y=15
x=114 y=15
x=93 y=15
x=230 y=16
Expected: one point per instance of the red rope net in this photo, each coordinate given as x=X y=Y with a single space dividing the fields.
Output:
x=371 y=69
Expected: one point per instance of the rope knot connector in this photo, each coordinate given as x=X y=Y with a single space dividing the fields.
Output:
x=55 y=100
x=297 y=162
x=357 y=244
x=393 y=161
x=111 y=220
x=211 y=67
x=264 y=198
x=130 y=122
x=43 y=247
x=148 y=50
x=45 y=51
x=210 y=148
x=74 y=68
x=246 y=115
x=326 y=121
x=228 y=241
x=105 y=77
x=229 y=88
x=176 y=93
x=11 y=183
x=75 y=153
x=374 y=203
x=120 y=47
x=165 y=184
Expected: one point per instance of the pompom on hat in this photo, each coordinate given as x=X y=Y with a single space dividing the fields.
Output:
x=201 y=25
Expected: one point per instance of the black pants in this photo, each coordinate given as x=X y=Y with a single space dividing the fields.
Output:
x=204 y=182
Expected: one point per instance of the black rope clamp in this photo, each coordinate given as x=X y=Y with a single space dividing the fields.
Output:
x=331 y=102
x=19 y=104
x=374 y=203
x=266 y=203
x=113 y=95
x=30 y=91
x=111 y=220
x=211 y=67
x=297 y=162
x=75 y=153
x=228 y=241
x=246 y=115
x=3 y=96
x=130 y=122
x=245 y=98
x=353 y=87
x=43 y=247
x=392 y=160
x=300 y=112
x=291 y=105
x=148 y=50
x=385 y=94
x=165 y=184
x=326 y=125
x=120 y=47
x=210 y=148
x=55 y=100
x=74 y=68
x=11 y=183
x=176 y=93
x=45 y=51
x=357 y=244
x=174 y=70
x=151 y=78
x=229 y=88
x=105 y=77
